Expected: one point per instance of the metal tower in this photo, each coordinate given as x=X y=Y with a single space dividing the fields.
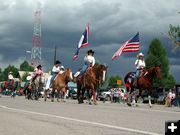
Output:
x=36 y=39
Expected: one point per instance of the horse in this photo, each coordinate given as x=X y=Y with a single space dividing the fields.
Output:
x=36 y=87
x=11 y=85
x=60 y=84
x=89 y=81
x=144 y=82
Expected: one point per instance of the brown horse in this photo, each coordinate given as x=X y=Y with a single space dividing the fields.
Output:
x=89 y=81
x=60 y=84
x=144 y=82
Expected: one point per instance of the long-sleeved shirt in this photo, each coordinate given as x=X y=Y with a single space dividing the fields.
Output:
x=89 y=59
x=140 y=64
x=56 y=69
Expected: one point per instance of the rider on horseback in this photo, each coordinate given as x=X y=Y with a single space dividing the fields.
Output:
x=37 y=72
x=89 y=61
x=62 y=69
x=140 y=65
x=55 y=70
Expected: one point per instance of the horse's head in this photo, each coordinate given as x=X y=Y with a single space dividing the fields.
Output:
x=157 y=71
x=101 y=71
x=68 y=75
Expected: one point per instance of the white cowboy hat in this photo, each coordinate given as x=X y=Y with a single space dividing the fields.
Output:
x=62 y=67
x=140 y=54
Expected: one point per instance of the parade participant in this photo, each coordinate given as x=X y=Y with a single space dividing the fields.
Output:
x=10 y=78
x=89 y=61
x=140 y=65
x=55 y=70
x=37 y=72
x=27 y=84
x=62 y=69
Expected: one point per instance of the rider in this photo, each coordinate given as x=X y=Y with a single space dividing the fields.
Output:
x=62 y=69
x=10 y=78
x=140 y=65
x=28 y=79
x=55 y=70
x=89 y=61
x=37 y=72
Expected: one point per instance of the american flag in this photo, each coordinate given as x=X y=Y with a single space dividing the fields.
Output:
x=131 y=45
x=83 y=42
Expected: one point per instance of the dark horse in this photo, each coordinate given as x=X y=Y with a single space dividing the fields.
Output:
x=89 y=81
x=144 y=82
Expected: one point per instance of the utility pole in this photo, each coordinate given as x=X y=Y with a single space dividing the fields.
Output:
x=55 y=54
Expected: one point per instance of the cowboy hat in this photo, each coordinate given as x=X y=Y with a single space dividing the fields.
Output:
x=90 y=51
x=140 y=54
x=61 y=67
x=39 y=66
x=57 y=62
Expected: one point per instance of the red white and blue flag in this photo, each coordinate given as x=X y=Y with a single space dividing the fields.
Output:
x=83 y=42
x=131 y=45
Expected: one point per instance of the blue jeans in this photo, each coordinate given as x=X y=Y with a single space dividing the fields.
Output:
x=138 y=71
x=83 y=70
x=52 y=78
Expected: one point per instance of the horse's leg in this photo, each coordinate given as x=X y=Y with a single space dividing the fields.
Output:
x=78 y=94
x=64 y=92
x=89 y=97
x=94 y=96
x=58 y=94
x=149 y=97
x=129 y=98
x=45 y=94
x=52 y=94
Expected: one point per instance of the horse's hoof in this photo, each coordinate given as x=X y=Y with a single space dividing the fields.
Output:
x=44 y=99
x=150 y=106
x=95 y=103
x=129 y=104
x=90 y=103
x=52 y=100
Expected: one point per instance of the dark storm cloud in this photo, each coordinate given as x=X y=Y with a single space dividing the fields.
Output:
x=111 y=23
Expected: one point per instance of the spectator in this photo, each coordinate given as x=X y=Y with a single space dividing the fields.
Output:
x=169 y=99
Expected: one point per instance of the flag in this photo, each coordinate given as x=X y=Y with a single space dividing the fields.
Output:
x=131 y=45
x=83 y=42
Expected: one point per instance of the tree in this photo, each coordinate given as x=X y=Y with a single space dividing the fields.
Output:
x=157 y=55
x=113 y=81
x=174 y=35
x=26 y=67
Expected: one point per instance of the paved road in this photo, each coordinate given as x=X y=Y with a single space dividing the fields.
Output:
x=26 y=117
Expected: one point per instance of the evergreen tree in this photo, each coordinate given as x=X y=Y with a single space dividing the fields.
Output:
x=26 y=67
x=157 y=55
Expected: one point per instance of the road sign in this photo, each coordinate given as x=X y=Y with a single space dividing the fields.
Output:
x=119 y=82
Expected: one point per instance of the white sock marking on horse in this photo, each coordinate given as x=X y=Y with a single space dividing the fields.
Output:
x=81 y=121
x=71 y=76
x=104 y=75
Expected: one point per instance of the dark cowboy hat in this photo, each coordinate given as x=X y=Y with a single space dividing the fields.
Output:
x=39 y=66
x=90 y=51
x=57 y=62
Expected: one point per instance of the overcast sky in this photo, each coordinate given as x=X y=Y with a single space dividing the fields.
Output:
x=112 y=22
